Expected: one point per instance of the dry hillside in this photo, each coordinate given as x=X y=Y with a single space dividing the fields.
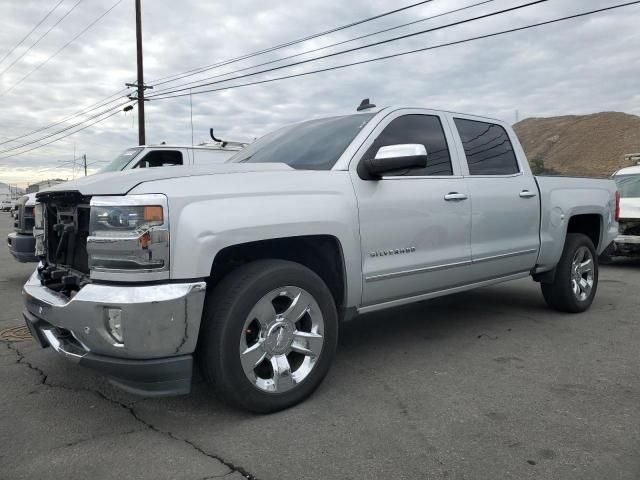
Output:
x=589 y=145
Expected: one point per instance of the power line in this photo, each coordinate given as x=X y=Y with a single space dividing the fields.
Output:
x=41 y=37
x=31 y=31
x=332 y=45
x=188 y=73
x=64 y=136
x=62 y=48
x=349 y=50
x=408 y=52
x=17 y=147
x=94 y=106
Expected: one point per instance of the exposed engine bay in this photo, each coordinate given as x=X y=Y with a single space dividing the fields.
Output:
x=64 y=261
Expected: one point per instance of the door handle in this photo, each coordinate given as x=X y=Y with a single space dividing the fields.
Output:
x=527 y=194
x=455 y=197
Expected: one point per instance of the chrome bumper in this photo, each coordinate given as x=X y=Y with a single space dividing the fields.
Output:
x=627 y=239
x=157 y=320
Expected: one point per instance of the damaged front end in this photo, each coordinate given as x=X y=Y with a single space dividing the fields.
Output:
x=101 y=295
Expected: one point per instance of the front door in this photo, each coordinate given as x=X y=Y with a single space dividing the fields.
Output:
x=414 y=224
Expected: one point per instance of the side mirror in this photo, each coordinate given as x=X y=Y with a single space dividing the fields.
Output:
x=396 y=157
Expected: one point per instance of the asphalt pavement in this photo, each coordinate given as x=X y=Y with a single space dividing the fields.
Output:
x=488 y=384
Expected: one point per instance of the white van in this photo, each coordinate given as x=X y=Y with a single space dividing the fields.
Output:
x=147 y=156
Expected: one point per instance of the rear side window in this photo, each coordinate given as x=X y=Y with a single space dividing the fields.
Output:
x=423 y=129
x=487 y=148
x=160 y=158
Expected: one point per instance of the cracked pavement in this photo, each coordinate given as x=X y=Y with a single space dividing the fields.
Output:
x=482 y=385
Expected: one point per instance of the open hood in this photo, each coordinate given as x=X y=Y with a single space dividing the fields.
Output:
x=119 y=183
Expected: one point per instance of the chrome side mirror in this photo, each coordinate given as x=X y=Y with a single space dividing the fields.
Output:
x=396 y=157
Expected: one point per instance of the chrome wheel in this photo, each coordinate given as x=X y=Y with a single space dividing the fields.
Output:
x=282 y=339
x=582 y=273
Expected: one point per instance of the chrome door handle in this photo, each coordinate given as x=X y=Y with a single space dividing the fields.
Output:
x=527 y=194
x=455 y=197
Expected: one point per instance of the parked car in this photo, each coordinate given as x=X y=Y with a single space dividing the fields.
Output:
x=627 y=242
x=21 y=242
x=6 y=205
x=250 y=266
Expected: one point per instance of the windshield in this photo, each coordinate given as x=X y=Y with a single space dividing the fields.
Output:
x=311 y=145
x=628 y=185
x=121 y=160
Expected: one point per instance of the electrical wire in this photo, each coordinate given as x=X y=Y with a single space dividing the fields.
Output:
x=361 y=47
x=409 y=52
x=17 y=147
x=16 y=60
x=61 y=48
x=94 y=106
x=187 y=73
x=31 y=31
x=306 y=52
x=60 y=138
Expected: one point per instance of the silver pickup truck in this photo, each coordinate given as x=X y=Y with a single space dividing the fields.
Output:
x=250 y=266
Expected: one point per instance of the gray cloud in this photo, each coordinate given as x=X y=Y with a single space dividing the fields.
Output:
x=580 y=66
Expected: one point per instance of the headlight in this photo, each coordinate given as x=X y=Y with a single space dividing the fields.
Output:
x=129 y=234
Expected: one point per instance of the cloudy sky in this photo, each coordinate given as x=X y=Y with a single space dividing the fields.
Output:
x=580 y=66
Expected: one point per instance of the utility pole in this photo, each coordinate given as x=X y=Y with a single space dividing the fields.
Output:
x=141 y=87
x=84 y=157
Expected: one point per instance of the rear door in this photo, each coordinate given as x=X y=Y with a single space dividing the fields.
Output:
x=414 y=224
x=505 y=205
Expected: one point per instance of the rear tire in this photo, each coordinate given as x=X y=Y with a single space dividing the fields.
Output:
x=576 y=278
x=269 y=335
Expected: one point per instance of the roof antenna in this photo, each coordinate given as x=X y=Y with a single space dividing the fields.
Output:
x=213 y=136
x=365 y=105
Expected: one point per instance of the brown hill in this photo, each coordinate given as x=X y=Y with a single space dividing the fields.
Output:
x=584 y=145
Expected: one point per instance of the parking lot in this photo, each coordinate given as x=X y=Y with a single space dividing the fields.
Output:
x=487 y=384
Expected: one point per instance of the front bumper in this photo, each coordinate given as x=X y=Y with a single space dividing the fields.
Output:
x=22 y=247
x=160 y=325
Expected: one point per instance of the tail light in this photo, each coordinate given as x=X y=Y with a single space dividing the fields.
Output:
x=617 y=217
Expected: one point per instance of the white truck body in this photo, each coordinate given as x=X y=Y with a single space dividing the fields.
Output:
x=376 y=242
x=627 y=242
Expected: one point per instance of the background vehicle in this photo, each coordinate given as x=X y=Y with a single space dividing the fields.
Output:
x=147 y=156
x=250 y=265
x=21 y=242
x=6 y=205
x=627 y=242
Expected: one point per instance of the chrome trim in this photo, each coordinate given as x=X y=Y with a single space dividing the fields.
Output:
x=66 y=349
x=420 y=177
x=402 y=273
x=385 y=276
x=440 y=293
x=505 y=255
x=627 y=239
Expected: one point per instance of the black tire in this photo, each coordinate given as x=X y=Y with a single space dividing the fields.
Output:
x=226 y=310
x=559 y=294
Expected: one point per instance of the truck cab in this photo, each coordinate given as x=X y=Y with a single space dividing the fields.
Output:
x=150 y=156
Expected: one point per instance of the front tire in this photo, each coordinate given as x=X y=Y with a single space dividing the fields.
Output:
x=576 y=278
x=269 y=335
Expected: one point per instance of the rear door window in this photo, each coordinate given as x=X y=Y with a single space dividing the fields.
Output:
x=487 y=148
